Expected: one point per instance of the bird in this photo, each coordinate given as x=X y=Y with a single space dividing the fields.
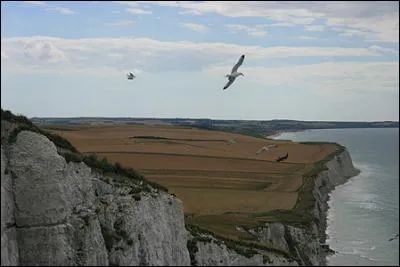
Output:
x=393 y=238
x=234 y=74
x=282 y=158
x=265 y=148
x=130 y=76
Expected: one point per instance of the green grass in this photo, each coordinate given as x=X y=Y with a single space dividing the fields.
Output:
x=241 y=247
x=24 y=124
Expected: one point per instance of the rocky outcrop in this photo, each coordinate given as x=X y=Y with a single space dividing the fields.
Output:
x=55 y=212
x=59 y=213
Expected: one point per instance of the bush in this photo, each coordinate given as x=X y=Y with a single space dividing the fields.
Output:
x=8 y=116
x=192 y=248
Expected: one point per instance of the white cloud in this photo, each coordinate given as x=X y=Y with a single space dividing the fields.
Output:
x=120 y=23
x=115 y=55
x=64 y=55
x=195 y=27
x=304 y=37
x=271 y=10
x=38 y=3
x=383 y=50
x=334 y=77
x=62 y=10
x=282 y=24
x=3 y=55
x=139 y=11
x=191 y=12
x=253 y=31
x=314 y=28
x=43 y=51
x=129 y=3
x=372 y=20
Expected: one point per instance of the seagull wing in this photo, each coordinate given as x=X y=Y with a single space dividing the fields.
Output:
x=229 y=83
x=240 y=62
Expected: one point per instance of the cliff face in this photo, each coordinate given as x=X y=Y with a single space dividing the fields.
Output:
x=59 y=213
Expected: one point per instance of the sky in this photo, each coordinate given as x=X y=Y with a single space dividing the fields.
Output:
x=305 y=60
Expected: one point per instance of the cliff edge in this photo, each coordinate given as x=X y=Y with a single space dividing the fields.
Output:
x=57 y=210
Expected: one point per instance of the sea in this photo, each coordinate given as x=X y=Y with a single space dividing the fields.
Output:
x=364 y=212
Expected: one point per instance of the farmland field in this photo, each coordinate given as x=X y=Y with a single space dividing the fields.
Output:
x=221 y=179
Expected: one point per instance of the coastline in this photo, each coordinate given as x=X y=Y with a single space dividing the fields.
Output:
x=278 y=133
x=339 y=171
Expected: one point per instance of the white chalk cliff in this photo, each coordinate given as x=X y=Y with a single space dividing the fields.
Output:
x=59 y=213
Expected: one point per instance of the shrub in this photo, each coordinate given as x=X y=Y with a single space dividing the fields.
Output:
x=192 y=248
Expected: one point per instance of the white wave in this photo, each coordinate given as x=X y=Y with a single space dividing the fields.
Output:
x=367 y=169
x=368 y=258
x=370 y=206
x=358 y=242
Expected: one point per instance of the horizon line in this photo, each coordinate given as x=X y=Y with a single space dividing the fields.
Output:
x=182 y=118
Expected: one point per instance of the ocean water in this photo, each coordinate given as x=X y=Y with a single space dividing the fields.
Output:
x=364 y=212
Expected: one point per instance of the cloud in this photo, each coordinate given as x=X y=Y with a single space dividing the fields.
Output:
x=63 y=55
x=371 y=20
x=38 y=3
x=304 y=37
x=191 y=12
x=314 y=28
x=43 y=51
x=282 y=24
x=270 y=10
x=62 y=10
x=334 y=77
x=120 y=23
x=253 y=31
x=383 y=50
x=3 y=55
x=129 y=3
x=139 y=11
x=195 y=27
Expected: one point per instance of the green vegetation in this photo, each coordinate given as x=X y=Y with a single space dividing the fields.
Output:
x=192 y=248
x=266 y=259
x=105 y=167
x=8 y=116
x=24 y=124
x=244 y=248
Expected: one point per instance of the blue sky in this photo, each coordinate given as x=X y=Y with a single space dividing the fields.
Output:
x=304 y=60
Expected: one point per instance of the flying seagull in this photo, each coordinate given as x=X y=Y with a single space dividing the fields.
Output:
x=265 y=148
x=234 y=74
x=130 y=76
x=393 y=238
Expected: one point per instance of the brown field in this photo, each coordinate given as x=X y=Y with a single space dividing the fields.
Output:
x=211 y=175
